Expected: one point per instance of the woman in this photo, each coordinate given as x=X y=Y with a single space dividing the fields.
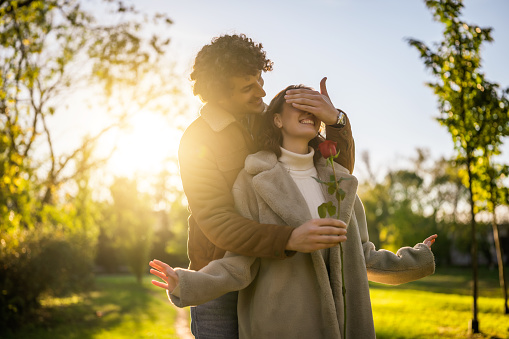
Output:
x=299 y=297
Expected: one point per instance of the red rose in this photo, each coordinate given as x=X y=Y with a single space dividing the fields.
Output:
x=328 y=148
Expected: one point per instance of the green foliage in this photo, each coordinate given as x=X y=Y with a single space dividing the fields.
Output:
x=172 y=236
x=474 y=110
x=51 y=49
x=36 y=264
x=130 y=225
x=48 y=219
x=409 y=205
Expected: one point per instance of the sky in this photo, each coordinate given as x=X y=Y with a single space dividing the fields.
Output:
x=359 y=45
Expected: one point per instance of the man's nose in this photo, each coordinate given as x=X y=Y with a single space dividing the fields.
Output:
x=260 y=91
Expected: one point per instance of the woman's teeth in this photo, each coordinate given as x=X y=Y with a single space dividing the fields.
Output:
x=307 y=121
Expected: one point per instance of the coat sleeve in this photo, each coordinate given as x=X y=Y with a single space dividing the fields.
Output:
x=212 y=205
x=408 y=264
x=231 y=273
x=343 y=136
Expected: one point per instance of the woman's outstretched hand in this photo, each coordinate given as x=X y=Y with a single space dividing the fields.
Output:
x=430 y=240
x=165 y=272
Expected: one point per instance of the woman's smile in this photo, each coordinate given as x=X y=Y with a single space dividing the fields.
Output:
x=307 y=122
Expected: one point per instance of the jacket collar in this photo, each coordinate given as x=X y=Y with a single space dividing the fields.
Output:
x=216 y=117
x=275 y=186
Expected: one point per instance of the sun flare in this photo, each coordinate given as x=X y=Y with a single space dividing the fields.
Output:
x=145 y=147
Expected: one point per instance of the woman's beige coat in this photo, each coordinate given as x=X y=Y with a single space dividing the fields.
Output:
x=300 y=297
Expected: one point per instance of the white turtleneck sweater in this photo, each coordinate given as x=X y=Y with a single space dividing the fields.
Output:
x=302 y=168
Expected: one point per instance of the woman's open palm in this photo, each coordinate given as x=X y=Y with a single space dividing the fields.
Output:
x=165 y=272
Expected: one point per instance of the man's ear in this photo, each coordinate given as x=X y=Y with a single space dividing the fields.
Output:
x=277 y=120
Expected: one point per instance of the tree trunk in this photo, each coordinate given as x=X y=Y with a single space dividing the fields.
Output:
x=500 y=260
x=474 y=323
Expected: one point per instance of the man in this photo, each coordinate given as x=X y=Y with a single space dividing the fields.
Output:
x=227 y=76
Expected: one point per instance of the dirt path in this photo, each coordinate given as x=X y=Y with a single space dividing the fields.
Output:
x=182 y=324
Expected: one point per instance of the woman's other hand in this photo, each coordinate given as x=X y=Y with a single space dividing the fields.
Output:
x=165 y=272
x=430 y=240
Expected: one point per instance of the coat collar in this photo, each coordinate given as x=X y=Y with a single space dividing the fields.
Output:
x=216 y=117
x=276 y=187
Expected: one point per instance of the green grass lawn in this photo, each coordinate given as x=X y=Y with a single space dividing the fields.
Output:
x=439 y=306
x=117 y=308
x=435 y=307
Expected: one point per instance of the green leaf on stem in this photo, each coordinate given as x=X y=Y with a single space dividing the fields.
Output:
x=320 y=181
x=340 y=194
x=322 y=210
x=331 y=209
x=326 y=208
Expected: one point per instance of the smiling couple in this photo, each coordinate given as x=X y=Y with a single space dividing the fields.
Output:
x=262 y=262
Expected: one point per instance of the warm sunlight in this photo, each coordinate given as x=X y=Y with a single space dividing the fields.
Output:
x=144 y=148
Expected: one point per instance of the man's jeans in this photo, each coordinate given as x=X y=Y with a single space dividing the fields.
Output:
x=216 y=318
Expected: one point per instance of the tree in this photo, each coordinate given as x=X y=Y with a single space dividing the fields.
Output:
x=132 y=224
x=492 y=190
x=490 y=175
x=50 y=49
x=170 y=235
x=465 y=101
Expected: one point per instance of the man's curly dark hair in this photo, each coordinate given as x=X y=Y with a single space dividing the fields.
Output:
x=225 y=57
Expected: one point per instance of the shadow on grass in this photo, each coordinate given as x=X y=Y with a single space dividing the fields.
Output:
x=453 y=280
x=114 y=300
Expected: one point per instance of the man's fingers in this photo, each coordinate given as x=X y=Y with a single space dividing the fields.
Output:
x=310 y=109
x=303 y=101
x=329 y=230
x=330 y=222
x=300 y=91
x=331 y=239
x=323 y=87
